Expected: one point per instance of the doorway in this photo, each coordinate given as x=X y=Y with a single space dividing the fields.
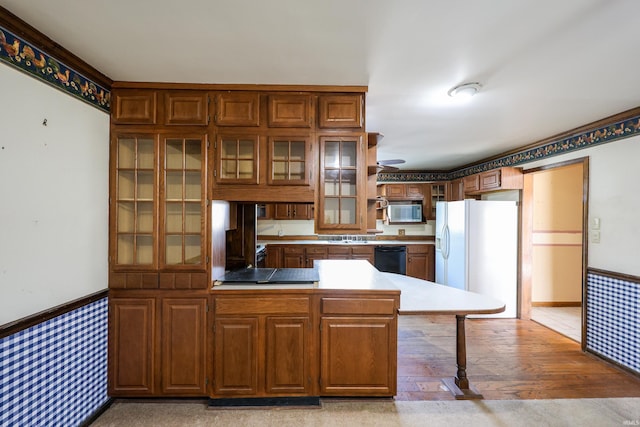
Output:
x=554 y=251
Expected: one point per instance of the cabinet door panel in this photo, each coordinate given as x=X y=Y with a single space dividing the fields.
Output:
x=185 y=108
x=134 y=107
x=288 y=355
x=132 y=343
x=183 y=338
x=358 y=356
x=238 y=109
x=236 y=356
x=340 y=111
x=289 y=111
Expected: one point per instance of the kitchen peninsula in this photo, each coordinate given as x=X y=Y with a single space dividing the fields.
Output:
x=333 y=337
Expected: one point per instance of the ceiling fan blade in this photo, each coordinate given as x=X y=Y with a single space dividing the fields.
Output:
x=390 y=162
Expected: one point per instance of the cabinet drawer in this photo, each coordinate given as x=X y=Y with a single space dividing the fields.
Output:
x=417 y=249
x=265 y=305
x=339 y=250
x=358 y=306
x=293 y=250
x=316 y=250
x=362 y=250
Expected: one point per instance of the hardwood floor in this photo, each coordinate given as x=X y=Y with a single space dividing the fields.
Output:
x=506 y=359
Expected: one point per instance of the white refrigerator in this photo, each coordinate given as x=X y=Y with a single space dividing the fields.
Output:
x=477 y=249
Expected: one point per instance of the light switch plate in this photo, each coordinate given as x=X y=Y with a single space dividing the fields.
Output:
x=595 y=237
x=595 y=223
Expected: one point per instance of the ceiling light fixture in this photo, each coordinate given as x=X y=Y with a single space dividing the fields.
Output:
x=465 y=90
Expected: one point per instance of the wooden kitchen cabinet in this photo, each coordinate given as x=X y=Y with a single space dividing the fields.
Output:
x=236 y=356
x=313 y=253
x=403 y=191
x=293 y=256
x=132 y=344
x=262 y=346
x=506 y=178
x=236 y=159
x=290 y=160
x=157 y=345
x=421 y=261
x=186 y=108
x=293 y=211
x=358 y=355
x=183 y=336
x=341 y=111
x=435 y=192
x=134 y=107
x=341 y=198
x=237 y=109
x=294 y=111
x=274 y=257
x=455 y=190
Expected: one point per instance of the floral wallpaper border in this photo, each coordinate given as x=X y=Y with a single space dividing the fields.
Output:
x=607 y=133
x=23 y=56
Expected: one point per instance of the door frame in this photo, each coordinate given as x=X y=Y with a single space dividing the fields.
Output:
x=526 y=248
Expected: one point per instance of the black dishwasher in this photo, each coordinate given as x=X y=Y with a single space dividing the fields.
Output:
x=392 y=259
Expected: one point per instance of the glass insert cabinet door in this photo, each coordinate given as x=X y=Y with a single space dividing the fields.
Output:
x=341 y=183
x=236 y=159
x=289 y=160
x=183 y=222
x=135 y=201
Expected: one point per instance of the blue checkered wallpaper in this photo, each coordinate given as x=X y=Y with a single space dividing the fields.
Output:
x=55 y=373
x=613 y=319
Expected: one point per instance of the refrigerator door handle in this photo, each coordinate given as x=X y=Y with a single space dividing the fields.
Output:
x=445 y=244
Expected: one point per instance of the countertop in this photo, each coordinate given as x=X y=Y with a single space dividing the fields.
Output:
x=349 y=275
x=417 y=296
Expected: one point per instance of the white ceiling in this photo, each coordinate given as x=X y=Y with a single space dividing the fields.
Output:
x=546 y=66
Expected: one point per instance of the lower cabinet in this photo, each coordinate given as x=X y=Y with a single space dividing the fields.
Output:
x=359 y=349
x=157 y=345
x=263 y=346
x=421 y=261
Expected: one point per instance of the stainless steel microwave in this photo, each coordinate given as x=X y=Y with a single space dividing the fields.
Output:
x=404 y=213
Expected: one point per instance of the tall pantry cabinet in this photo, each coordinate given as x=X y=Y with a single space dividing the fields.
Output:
x=159 y=248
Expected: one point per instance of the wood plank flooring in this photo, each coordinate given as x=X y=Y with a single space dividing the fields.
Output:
x=506 y=359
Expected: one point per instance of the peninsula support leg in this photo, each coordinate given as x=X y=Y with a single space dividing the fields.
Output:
x=459 y=385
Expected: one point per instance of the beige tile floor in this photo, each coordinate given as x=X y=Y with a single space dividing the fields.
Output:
x=565 y=320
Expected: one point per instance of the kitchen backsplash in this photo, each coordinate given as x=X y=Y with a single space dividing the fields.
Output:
x=272 y=227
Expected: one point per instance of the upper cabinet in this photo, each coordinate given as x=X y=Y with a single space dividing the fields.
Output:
x=134 y=107
x=236 y=159
x=341 y=111
x=293 y=111
x=237 y=109
x=134 y=201
x=290 y=160
x=158 y=211
x=506 y=178
x=186 y=108
x=341 y=204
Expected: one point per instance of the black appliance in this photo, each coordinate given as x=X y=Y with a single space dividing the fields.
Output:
x=392 y=259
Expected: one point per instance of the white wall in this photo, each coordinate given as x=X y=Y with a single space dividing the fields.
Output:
x=53 y=197
x=614 y=179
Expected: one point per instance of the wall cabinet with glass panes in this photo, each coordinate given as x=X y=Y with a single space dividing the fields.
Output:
x=341 y=198
x=158 y=211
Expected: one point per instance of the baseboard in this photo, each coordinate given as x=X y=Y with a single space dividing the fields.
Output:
x=87 y=422
x=556 y=304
